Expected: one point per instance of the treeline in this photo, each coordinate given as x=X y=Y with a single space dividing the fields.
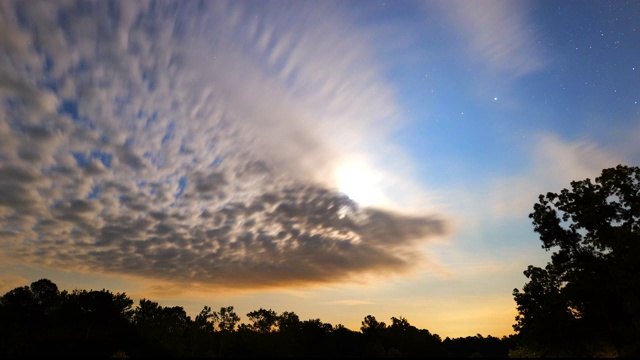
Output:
x=39 y=320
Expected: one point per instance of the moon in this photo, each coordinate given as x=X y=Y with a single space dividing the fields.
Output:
x=360 y=182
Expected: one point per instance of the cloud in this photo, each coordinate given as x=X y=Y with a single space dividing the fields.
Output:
x=299 y=236
x=351 y=302
x=499 y=33
x=555 y=163
x=194 y=143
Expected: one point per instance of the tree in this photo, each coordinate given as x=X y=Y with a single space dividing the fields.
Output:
x=373 y=330
x=400 y=324
x=205 y=320
x=227 y=319
x=162 y=328
x=313 y=338
x=289 y=322
x=585 y=301
x=105 y=319
x=263 y=321
x=371 y=326
x=19 y=322
x=290 y=333
x=46 y=294
x=201 y=334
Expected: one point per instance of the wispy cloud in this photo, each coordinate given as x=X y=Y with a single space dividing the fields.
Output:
x=193 y=142
x=351 y=302
x=499 y=33
x=555 y=163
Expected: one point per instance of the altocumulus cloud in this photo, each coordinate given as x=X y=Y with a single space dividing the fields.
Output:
x=191 y=142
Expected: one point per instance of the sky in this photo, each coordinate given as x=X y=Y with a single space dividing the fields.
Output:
x=334 y=159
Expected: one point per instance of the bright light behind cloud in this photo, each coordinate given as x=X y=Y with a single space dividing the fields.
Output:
x=358 y=180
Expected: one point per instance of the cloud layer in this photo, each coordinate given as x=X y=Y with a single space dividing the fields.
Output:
x=192 y=142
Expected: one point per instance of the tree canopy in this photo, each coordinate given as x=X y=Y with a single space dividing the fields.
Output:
x=585 y=301
x=41 y=321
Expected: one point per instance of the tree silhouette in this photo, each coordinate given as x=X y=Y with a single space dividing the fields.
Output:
x=46 y=294
x=41 y=321
x=227 y=318
x=163 y=329
x=585 y=301
x=289 y=322
x=372 y=330
x=205 y=320
x=289 y=331
x=19 y=321
x=480 y=346
x=263 y=321
x=370 y=325
x=102 y=318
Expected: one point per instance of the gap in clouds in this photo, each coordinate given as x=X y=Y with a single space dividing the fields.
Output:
x=194 y=143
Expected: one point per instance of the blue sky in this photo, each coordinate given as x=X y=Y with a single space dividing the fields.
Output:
x=335 y=159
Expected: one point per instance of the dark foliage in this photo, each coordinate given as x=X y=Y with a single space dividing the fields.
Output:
x=41 y=321
x=585 y=302
x=478 y=346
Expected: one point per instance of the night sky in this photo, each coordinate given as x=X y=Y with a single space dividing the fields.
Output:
x=334 y=159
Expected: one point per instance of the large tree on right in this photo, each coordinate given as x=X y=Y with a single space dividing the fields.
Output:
x=585 y=302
